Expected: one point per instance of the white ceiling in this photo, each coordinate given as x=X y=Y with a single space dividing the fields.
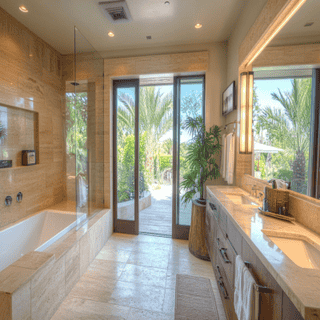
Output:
x=53 y=21
x=294 y=32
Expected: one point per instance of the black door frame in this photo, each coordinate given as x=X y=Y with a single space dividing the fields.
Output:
x=180 y=231
x=126 y=226
x=132 y=227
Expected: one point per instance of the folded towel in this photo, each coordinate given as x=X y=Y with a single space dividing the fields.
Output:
x=223 y=157
x=244 y=291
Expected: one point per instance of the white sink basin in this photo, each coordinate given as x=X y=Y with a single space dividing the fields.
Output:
x=299 y=249
x=241 y=199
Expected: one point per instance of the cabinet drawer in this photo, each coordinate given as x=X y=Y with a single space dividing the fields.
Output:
x=227 y=256
x=225 y=290
x=223 y=220
x=234 y=237
x=270 y=304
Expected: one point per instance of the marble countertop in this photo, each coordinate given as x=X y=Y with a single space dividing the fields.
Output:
x=302 y=285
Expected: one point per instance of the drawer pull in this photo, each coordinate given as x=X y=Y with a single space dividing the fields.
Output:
x=212 y=206
x=223 y=252
x=223 y=289
x=218 y=269
x=218 y=241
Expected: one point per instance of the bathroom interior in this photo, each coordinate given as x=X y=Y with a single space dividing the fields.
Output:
x=78 y=243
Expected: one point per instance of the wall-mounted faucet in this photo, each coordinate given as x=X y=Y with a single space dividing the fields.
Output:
x=254 y=188
x=261 y=195
x=8 y=201
x=19 y=197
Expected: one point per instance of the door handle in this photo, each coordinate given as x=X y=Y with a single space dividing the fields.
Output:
x=218 y=269
x=223 y=252
x=223 y=289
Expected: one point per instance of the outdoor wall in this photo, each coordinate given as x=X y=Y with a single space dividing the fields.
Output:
x=208 y=58
x=30 y=79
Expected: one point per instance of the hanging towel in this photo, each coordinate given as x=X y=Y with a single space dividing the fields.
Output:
x=223 y=157
x=243 y=291
x=230 y=158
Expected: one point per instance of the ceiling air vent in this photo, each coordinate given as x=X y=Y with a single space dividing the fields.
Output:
x=116 y=11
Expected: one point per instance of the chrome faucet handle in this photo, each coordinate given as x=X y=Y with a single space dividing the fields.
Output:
x=261 y=195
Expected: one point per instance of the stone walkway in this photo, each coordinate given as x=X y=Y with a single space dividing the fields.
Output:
x=158 y=217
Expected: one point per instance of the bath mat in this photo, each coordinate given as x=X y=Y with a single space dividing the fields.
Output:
x=194 y=299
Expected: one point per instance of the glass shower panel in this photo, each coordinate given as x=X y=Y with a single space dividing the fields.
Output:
x=88 y=123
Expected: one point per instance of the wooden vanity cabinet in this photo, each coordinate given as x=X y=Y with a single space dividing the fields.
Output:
x=270 y=303
x=224 y=242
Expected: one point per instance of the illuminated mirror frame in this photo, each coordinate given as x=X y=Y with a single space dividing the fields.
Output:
x=246 y=106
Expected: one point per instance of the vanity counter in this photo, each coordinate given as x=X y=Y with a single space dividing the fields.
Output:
x=301 y=285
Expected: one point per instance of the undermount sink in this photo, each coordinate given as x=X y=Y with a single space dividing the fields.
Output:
x=299 y=249
x=241 y=199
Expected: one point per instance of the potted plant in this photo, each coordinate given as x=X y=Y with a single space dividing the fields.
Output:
x=201 y=166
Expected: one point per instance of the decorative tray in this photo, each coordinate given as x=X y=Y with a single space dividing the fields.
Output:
x=277 y=216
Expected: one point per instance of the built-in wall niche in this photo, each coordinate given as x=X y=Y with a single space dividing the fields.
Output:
x=19 y=130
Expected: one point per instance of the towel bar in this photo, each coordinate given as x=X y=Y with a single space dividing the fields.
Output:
x=258 y=289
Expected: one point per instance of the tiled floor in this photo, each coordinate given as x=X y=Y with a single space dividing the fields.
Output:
x=133 y=277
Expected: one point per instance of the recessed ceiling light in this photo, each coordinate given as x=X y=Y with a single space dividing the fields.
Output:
x=167 y=3
x=309 y=24
x=198 y=26
x=23 y=9
x=148 y=37
x=111 y=34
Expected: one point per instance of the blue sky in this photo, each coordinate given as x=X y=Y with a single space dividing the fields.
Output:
x=264 y=88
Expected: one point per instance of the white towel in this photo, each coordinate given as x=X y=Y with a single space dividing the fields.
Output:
x=223 y=157
x=243 y=291
x=230 y=158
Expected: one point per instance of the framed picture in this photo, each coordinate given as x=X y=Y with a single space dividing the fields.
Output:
x=229 y=99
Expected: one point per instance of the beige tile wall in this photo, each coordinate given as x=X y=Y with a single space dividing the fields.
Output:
x=31 y=79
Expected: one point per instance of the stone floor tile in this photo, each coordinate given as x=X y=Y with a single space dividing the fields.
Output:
x=156 y=260
x=138 y=314
x=138 y=296
x=113 y=255
x=144 y=275
x=93 y=289
x=80 y=309
x=169 y=301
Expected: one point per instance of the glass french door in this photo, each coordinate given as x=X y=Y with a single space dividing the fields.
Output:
x=126 y=156
x=189 y=95
x=189 y=101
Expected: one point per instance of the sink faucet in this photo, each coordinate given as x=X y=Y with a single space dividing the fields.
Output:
x=261 y=195
x=255 y=189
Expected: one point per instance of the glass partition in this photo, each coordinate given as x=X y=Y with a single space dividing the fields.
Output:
x=84 y=129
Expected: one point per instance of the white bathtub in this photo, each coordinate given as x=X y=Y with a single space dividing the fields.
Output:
x=33 y=234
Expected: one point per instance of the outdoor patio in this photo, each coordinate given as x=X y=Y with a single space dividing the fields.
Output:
x=158 y=217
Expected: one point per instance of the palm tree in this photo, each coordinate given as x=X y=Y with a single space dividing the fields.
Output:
x=289 y=128
x=155 y=118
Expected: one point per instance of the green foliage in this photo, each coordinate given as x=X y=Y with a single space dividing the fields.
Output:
x=287 y=128
x=165 y=161
x=76 y=128
x=200 y=158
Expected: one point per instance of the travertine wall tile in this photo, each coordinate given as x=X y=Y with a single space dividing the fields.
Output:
x=21 y=303
x=30 y=80
x=84 y=253
x=72 y=260
x=48 y=290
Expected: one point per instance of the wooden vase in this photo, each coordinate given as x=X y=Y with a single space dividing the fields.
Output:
x=197 y=244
